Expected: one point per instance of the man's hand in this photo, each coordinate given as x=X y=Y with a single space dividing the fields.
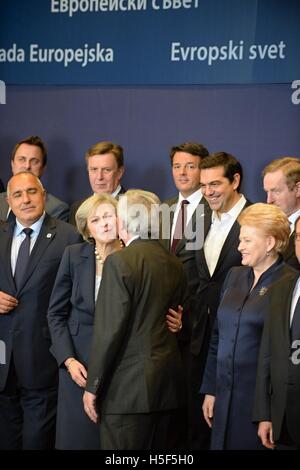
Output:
x=174 y=321
x=265 y=432
x=89 y=403
x=7 y=302
x=208 y=409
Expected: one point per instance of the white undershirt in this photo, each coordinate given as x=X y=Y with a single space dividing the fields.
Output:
x=218 y=232
x=194 y=200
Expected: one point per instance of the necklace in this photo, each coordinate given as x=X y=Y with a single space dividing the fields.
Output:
x=98 y=257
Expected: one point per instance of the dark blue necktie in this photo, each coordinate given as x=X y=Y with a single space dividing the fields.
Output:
x=295 y=326
x=23 y=257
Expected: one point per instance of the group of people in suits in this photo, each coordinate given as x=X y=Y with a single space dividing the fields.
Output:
x=140 y=374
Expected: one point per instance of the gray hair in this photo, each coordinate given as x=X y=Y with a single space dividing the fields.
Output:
x=24 y=173
x=139 y=212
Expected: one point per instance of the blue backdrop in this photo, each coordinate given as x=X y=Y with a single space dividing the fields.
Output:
x=256 y=117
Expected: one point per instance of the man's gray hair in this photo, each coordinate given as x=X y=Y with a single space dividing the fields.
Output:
x=139 y=212
x=23 y=172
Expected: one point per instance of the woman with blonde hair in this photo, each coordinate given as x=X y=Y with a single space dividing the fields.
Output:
x=230 y=373
x=71 y=317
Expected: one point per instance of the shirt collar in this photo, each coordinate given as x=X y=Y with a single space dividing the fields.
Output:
x=193 y=198
x=116 y=191
x=233 y=212
x=135 y=237
x=292 y=219
x=36 y=227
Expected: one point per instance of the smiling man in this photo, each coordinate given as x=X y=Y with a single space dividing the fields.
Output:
x=105 y=166
x=31 y=247
x=221 y=178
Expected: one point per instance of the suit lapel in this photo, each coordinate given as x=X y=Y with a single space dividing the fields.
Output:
x=193 y=223
x=87 y=276
x=44 y=239
x=5 y=250
x=231 y=239
x=286 y=307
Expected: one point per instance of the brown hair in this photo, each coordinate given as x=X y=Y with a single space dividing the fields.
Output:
x=198 y=150
x=230 y=164
x=106 y=147
x=32 y=140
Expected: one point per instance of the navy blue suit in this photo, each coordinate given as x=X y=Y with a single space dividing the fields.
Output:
x=230 y=371
x=29 y=364
x=71 y=320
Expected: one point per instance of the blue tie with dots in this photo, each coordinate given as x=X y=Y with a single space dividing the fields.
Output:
x=23 y=257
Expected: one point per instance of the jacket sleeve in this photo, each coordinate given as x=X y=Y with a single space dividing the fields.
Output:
x=59 y=312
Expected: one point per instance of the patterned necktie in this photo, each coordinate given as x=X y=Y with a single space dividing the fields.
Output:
x=180 y=225
x=23 y=257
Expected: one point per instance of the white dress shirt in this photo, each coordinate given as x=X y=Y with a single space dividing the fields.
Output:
x=295 y=298
x=218 y=232
x=292 y=219
x=19 y=236
x=194 y=200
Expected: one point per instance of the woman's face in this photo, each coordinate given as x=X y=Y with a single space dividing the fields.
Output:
x=254 y=245
x=102 y=223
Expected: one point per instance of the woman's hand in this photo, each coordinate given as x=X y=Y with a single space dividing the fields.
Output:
x=208 y=408
x=77 y=371
x=174 y=317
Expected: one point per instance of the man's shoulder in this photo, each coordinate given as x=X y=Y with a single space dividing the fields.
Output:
x=60 y=225
x=55 y=201
x=171 y=201
x=3 y=197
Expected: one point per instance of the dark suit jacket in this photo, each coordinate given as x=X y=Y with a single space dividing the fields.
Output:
x=230 y=371
x=207 y=298
x=72 y=304
x=54 y=207
x=71 y=321
x=1 y=186
x=289 y=255
x=76 y=205
x=278 y=381
x=135 y=364
x=24 y=330
x=187 y=256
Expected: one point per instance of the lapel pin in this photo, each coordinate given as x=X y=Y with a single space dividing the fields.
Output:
x=262 y=291
x=49 y=235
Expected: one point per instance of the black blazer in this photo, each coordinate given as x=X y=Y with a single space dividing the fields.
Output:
x=25 y=330
x=72 y=304
x=187 y=256
x=135 y=364
x=289 y=255
x=278 y=386
x=208 y=293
